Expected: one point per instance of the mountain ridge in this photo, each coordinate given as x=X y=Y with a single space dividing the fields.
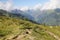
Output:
x=41 y=17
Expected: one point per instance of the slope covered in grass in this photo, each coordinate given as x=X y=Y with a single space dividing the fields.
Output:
x=18 y=29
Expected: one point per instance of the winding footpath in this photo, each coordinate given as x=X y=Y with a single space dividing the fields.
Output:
x=52 y=34
x=20 y=37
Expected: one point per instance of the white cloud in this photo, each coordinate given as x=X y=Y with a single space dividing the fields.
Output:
x=24 y=8
x=7 y=5
x=38 y=6
x=1 y=5
x=52 y=4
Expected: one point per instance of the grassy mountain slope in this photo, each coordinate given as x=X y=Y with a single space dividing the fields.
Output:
x=18 y=29
x=14 y=27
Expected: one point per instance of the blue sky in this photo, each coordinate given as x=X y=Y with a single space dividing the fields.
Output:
x=3 y=0
x=26 y=2
x=33 y=4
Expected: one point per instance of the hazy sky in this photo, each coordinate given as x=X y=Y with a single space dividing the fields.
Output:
x=26 y=4
x=29 y=3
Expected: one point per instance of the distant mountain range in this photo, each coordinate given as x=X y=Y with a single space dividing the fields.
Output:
x=17 y=14
x=47 y=17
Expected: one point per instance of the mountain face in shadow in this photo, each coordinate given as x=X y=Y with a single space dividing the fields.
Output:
x=22 y=14
x=16 y=14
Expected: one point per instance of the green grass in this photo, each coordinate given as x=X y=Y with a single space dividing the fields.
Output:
x=54 y=29
x=10 y=27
